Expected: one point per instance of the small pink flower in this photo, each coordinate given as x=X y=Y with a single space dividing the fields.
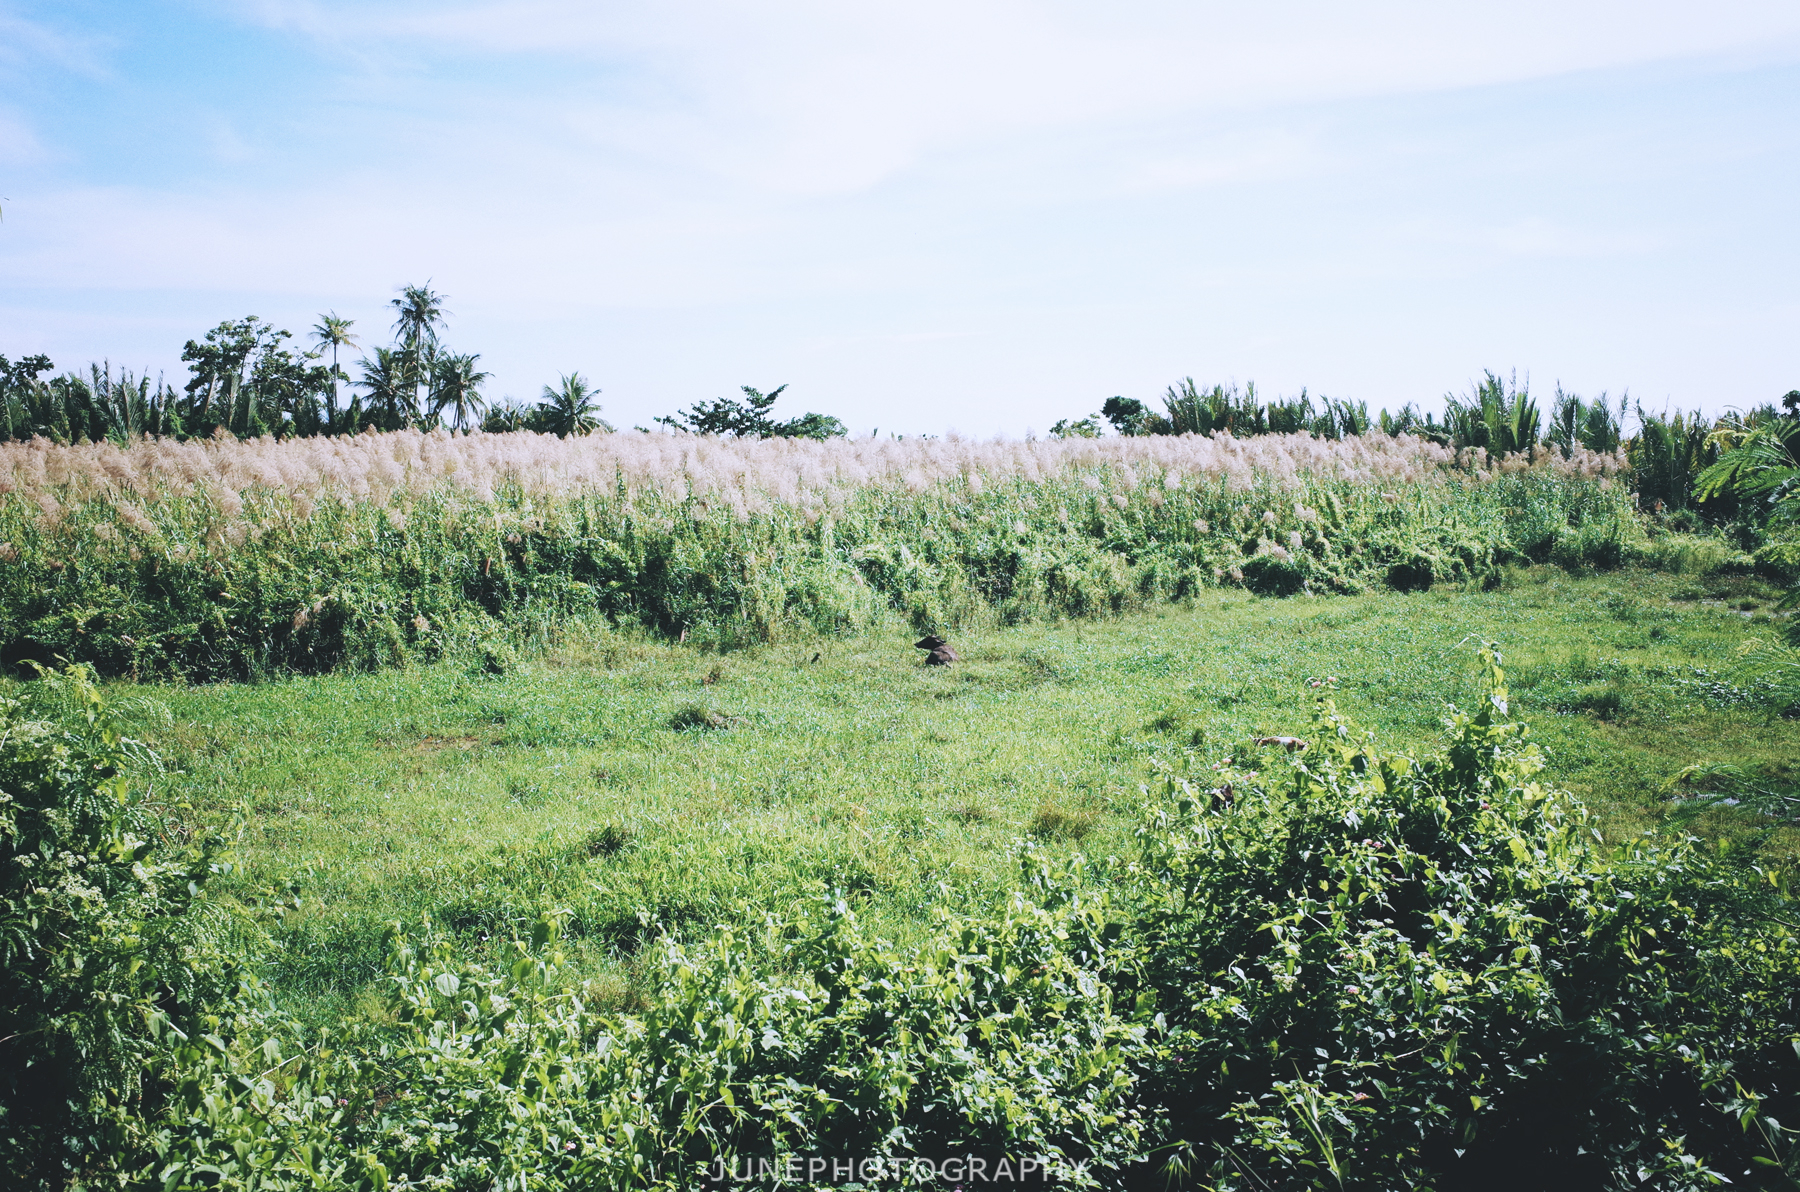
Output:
x=1353 y=990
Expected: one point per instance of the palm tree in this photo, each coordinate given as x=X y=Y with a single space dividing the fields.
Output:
x=1761 y=468
x=457 y=384
x=334 y=333
x=570 y=408
x=420 y=315
x=388 y=380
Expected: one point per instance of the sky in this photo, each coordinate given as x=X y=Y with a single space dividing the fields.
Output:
x=979 y=217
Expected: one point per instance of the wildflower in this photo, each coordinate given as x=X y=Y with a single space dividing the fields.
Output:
x=1269 y=517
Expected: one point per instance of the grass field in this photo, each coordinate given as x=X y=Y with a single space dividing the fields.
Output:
x=614 y=776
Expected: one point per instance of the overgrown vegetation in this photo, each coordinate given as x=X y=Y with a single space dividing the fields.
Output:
x=227 y=560
x=661 y=937
x=1342 y=966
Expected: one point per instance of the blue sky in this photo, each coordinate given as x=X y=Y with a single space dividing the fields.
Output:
x=981 y=216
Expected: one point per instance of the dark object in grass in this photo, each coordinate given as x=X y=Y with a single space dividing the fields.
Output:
x=1414 y=574
x=699 y=717
x=938 y=650
x=1291 y=744
x=605 y=841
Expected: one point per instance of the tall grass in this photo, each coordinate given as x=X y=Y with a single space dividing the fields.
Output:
x=225 y=557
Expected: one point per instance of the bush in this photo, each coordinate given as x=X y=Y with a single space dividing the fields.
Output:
x=1272 y=575
x=801 y=1039
x=104 y=949
x=1399 y=973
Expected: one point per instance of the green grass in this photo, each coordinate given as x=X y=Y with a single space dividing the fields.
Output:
x=617 y=775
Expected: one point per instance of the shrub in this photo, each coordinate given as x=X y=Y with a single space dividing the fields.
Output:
x=1273 y=575
x=104 y=949
x=1399 y=973
x=801 y=1039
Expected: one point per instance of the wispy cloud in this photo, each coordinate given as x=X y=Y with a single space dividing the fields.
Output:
x=18 y=144
x=818 y=97
x=25 y=43
x=983 y=202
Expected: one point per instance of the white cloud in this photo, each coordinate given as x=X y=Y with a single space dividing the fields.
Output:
x=986 y=202
x=24 y=42
x=18 y=144
x=827 y=97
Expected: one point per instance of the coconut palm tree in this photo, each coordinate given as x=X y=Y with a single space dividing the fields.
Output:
x=420 y=315
x=570 y=408
x=334 y=333
x=392 y=395
x=456 y=386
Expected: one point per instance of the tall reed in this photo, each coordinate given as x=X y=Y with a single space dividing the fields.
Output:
x=225 y=557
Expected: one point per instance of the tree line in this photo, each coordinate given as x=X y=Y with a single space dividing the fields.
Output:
x=1499 y=415
x=248 y=378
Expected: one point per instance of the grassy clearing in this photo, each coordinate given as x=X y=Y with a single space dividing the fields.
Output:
x=619 y=775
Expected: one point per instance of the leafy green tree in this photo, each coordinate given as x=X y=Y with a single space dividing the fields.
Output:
x=20 y=401
x=569 y=408
x=750 y=419
x=243 y=376
x=1078 y=428
x=812 y=426
x=217 y=363
x=1128 y=415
